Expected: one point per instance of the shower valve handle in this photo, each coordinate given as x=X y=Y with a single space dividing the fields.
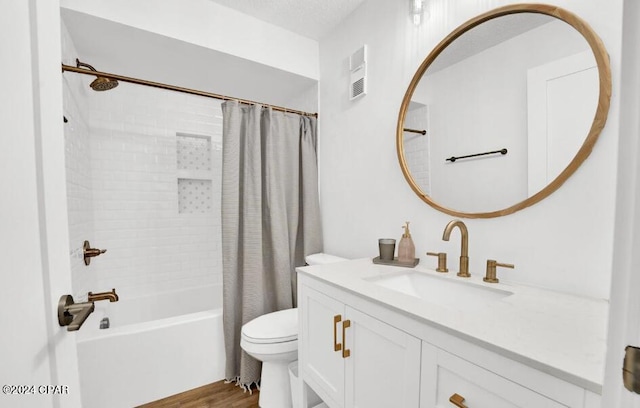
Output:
x=91 y=252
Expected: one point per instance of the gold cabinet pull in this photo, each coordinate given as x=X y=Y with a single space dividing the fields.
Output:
x=345 y=351
x=336 y=346
x=458 y=401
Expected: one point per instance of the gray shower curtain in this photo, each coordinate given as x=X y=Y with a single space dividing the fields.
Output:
x=270 y=218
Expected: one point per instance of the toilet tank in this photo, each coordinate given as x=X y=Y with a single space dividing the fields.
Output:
x=321 y=259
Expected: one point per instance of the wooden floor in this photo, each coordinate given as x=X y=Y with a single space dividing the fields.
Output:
x=216 y=395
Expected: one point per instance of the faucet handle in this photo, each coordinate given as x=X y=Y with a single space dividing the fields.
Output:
x=89 y=252
x=491 y=270
x=442 y=261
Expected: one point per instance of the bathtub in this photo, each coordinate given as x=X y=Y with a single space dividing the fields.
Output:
x=157 y=346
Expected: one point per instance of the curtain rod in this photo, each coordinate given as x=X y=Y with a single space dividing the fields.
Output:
x=177 y=89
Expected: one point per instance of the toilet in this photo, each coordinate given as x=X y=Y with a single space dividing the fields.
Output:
x=273 y=339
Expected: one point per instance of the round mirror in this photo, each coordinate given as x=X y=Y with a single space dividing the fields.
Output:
x=503 y=111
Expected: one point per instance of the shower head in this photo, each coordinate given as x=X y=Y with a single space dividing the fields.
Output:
x=100 y=83
x=103 y=84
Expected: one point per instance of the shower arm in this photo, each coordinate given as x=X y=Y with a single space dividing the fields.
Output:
x=82 y=64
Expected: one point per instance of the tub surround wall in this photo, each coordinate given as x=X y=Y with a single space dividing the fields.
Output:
x=122 y=178
x=151 y=245
x=123 y=187
x=557 y=243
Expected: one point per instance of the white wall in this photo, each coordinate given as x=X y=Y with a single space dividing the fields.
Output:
x=558 y=243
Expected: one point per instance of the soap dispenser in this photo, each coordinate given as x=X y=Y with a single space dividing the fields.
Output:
x=406 y=248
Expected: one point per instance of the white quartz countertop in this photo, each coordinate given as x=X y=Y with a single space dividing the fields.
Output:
x=563 y=335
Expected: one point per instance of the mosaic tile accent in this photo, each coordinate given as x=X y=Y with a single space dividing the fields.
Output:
x=195 y=196
x=193 y=152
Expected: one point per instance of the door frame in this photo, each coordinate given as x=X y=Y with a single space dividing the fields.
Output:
x=624 y=312
x=36 y=263
x=53 y=190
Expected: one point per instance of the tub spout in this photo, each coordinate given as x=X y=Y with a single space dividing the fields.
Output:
x=110 y=296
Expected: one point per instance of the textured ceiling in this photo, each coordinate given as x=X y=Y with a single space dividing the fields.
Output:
x=309 y=18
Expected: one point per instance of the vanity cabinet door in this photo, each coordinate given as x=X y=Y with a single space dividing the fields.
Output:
x=376 y=366
x=445 y=375
x=383 y=368
x=322 y=366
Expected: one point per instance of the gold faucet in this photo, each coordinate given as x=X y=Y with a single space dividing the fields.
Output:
x=464 y=251
x=111 y=296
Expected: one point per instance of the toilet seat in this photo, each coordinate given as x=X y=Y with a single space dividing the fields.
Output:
x=276 y=327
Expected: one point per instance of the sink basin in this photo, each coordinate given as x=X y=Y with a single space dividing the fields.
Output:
x=440 y=290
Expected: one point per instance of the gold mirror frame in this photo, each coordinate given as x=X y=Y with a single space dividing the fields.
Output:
x=599 y=120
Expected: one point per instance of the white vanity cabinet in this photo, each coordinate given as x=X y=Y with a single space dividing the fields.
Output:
x=357 y=348
x=351 y=359
x=445 y=375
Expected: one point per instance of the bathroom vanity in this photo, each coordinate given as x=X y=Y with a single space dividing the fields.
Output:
x=382 y=336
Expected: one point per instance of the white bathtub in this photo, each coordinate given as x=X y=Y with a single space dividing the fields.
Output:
x=157 y=346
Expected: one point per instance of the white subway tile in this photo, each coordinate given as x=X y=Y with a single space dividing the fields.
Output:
x=122 y=185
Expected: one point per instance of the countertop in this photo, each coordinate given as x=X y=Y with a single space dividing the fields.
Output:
x=563 y=335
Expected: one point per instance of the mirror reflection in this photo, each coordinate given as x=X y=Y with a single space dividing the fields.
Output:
x=524 y=82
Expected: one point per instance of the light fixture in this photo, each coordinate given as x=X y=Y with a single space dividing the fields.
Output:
x=417 y=11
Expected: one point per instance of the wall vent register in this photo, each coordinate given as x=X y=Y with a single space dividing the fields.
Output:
x=358 y=75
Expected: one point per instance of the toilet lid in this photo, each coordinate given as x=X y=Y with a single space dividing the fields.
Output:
x=276 y=327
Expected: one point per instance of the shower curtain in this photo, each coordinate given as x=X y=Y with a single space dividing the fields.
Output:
x=270 y=218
